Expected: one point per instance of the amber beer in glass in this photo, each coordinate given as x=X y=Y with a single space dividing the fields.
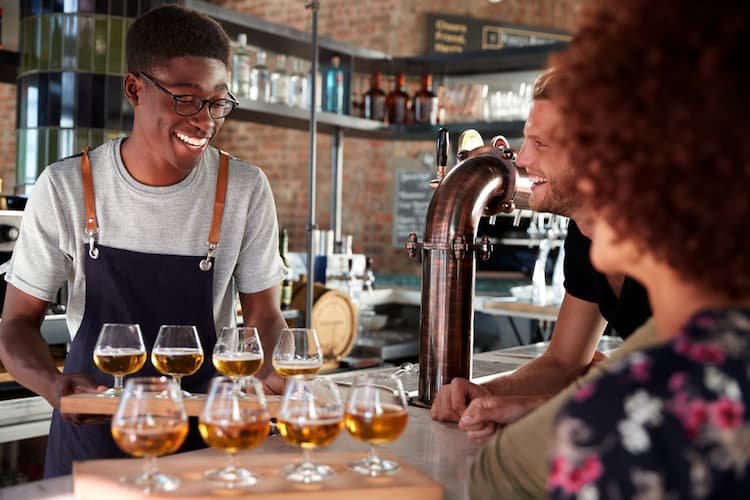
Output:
x=376 y=413
x=150 y=421
x=238 y=352
x=297 y=352
x=177 y=352
x=229 y=425
x=311 y=416
x=119 y=351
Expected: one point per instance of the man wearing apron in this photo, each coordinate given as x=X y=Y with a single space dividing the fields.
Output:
x=157 y=228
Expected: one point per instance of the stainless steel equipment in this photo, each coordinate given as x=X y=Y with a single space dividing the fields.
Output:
x=485 y=183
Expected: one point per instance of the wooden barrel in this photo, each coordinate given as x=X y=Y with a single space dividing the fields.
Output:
x=334 y=317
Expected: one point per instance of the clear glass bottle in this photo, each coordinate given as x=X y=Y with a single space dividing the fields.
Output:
x=335 y=87
x=260 y=79
x=297 y=89
x=373 y=106
x=280 y=81
x=241 y=68
x=397 y=102
x=426 y=103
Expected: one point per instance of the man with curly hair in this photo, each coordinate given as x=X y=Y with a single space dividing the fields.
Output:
x=155 y=228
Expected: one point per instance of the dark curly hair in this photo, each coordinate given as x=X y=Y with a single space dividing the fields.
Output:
x=655 y=100
x=174 y=31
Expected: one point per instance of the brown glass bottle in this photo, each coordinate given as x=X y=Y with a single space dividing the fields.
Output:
x=426 y=103
x=397 y=102
x=374 y=99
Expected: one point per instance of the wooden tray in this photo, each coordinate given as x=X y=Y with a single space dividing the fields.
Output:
x=97 y=479
x=93 y=404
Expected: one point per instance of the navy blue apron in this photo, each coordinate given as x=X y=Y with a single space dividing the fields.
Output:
x=123 y=286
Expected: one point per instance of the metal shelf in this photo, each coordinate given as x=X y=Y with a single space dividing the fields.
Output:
x=280 y=115
x=9 y=62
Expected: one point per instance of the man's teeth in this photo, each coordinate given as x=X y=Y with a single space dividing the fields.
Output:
x=193 y=141
x=537 y=180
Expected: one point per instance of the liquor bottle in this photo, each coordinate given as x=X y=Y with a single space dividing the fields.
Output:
x=286 y=283
x=241 y=68
x=397 y=102
x=260 y=79
x=297 y=90
x=374 y=99
x=280 y=81
x=426 y=103
x=335 y=87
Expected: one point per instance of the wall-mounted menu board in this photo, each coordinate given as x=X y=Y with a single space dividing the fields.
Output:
x=456 y=34
x=411 y=199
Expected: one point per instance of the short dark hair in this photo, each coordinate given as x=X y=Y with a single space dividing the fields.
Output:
x=174 y=31
x=654 y=100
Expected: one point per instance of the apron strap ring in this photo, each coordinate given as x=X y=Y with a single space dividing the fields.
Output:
x=207 y=263
x=93 y=251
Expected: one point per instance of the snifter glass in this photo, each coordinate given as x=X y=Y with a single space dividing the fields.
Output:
x=297 y=352
x=232 y=422
x=238 y=352
x=376 y=413
x=311 y=416
x=150 y=421
x=119 y=351
x=177 y=352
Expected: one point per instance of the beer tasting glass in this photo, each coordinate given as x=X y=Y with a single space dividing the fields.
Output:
x=119 y=351
x=376 y=413
x=177 y=352
x=297 y=352
x=238 y=352
x=311 y=416
x=231 y=423
x=150 y=421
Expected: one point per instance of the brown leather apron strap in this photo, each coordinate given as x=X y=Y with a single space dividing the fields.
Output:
x=92 y=224
x=219 y=201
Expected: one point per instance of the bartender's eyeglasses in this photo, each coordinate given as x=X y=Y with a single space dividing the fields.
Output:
x=189 y=104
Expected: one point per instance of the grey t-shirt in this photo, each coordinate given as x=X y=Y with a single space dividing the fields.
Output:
x=173 y=220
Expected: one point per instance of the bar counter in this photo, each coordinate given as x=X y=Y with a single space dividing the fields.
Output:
x=440 y=450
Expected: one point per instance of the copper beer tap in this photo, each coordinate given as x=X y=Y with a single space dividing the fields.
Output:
x=484 y=183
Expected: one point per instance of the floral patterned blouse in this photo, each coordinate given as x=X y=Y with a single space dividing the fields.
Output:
x=671 y=422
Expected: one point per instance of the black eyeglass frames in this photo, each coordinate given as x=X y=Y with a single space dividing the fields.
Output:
x=189 y=104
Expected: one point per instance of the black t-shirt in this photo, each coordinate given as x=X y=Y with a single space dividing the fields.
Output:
x=584 y=282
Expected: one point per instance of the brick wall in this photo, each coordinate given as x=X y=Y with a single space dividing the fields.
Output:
x=396 y=27
x=392 y=26
x=8 y=136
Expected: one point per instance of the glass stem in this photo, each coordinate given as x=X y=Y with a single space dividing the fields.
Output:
x=232 y=461
x=306 y=459
x=372 y=458
x=149 y=469
x=178 y=379
x=118 y=384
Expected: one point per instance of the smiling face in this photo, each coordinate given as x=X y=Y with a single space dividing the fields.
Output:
x=543 y=158
x=165 y=146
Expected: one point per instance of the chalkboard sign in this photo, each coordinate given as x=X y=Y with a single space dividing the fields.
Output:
x=412 y=198
x=456 y=34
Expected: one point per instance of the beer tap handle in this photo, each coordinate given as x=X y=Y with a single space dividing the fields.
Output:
x=443 y=143
x=469 y=140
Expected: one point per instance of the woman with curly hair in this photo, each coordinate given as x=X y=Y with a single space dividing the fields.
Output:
x=654 y=98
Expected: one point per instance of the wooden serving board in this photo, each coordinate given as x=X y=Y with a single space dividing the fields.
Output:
x=94 y=404
x=97 y=479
